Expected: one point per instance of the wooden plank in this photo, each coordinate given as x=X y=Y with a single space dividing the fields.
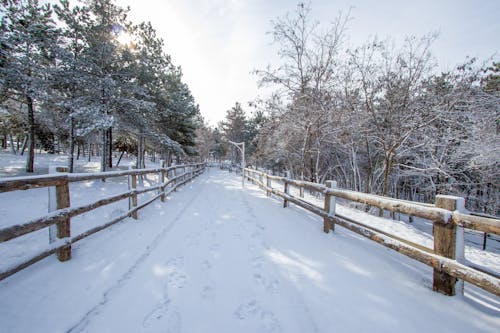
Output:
x=52 y=218
x=479 y=223
x=42 y=255
x=405 y=207
x=27 y=183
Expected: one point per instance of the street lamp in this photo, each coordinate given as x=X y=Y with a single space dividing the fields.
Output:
x=241 y=147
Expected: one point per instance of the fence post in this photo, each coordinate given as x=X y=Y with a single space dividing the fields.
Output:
x=59 y=199
x=268 y=184
x=174 y=183
x=329 y=207
x=162 y=180
x=132 y=201
x=445 y=244
x=286 y=189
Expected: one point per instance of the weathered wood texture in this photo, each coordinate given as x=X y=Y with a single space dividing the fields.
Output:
x=26 y=183
x=63 y=226
x=444 y=245
x=133 y=198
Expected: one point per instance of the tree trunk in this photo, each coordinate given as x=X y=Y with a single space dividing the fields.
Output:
x=387 y=173
x=120 y=158
x=12 y=147
x=138 y=163
x=369 y=176
x=23 y=146
x=30 y=160
x=71 y=155
x=78 y=151
x=110 y=147
x=103 y=149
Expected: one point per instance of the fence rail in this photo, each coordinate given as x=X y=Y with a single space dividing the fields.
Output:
x=61 y=217
x=447 y=214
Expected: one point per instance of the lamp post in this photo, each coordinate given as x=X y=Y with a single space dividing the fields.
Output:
x=241 y=147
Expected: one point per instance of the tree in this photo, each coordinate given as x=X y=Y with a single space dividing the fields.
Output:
x=307 y=79
x=30 y=37
x=71 y=79
x=390 y=81
x=234 y=127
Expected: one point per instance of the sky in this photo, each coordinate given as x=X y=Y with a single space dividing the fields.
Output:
x=218 y=43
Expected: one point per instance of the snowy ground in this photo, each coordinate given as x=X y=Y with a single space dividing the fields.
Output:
x=216 y=258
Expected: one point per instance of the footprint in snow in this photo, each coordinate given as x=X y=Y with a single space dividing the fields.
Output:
x=206 y=265
x=270 y=286
x=208 y=292
x=248 y=309
x=252 y=310
x=175 y=262
x=156 y=314
x=177 y=280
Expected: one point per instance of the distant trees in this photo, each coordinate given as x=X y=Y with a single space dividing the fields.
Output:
x=378 y=118
x=96 y=78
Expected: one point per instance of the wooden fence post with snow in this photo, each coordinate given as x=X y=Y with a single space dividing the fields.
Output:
x=132 y=185
x=162 y=180
x=444 y=244
x=59 y=199
x=329 y=207
x=175 y=176
x=286 y=189
x=268 y=184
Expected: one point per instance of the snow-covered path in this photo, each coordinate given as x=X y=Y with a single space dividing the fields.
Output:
x=216 y=258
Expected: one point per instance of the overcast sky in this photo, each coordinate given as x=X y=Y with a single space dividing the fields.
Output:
x=219 y=42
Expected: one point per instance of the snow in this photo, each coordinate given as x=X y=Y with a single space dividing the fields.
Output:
x=219 y=258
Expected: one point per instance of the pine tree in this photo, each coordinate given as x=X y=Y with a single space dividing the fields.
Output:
x=71 y=79
x=28 y=37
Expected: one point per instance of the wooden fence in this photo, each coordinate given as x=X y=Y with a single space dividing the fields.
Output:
x=171 y=177
x=447 y=214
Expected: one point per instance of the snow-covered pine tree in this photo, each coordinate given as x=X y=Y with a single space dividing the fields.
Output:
x=71 y=80
x=28 y=39
x=106 y=95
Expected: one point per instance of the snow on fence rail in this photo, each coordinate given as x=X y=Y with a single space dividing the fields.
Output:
x=447 y=214
x=61 y=217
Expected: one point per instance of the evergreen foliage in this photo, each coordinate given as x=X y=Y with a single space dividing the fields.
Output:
x=94 y=78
